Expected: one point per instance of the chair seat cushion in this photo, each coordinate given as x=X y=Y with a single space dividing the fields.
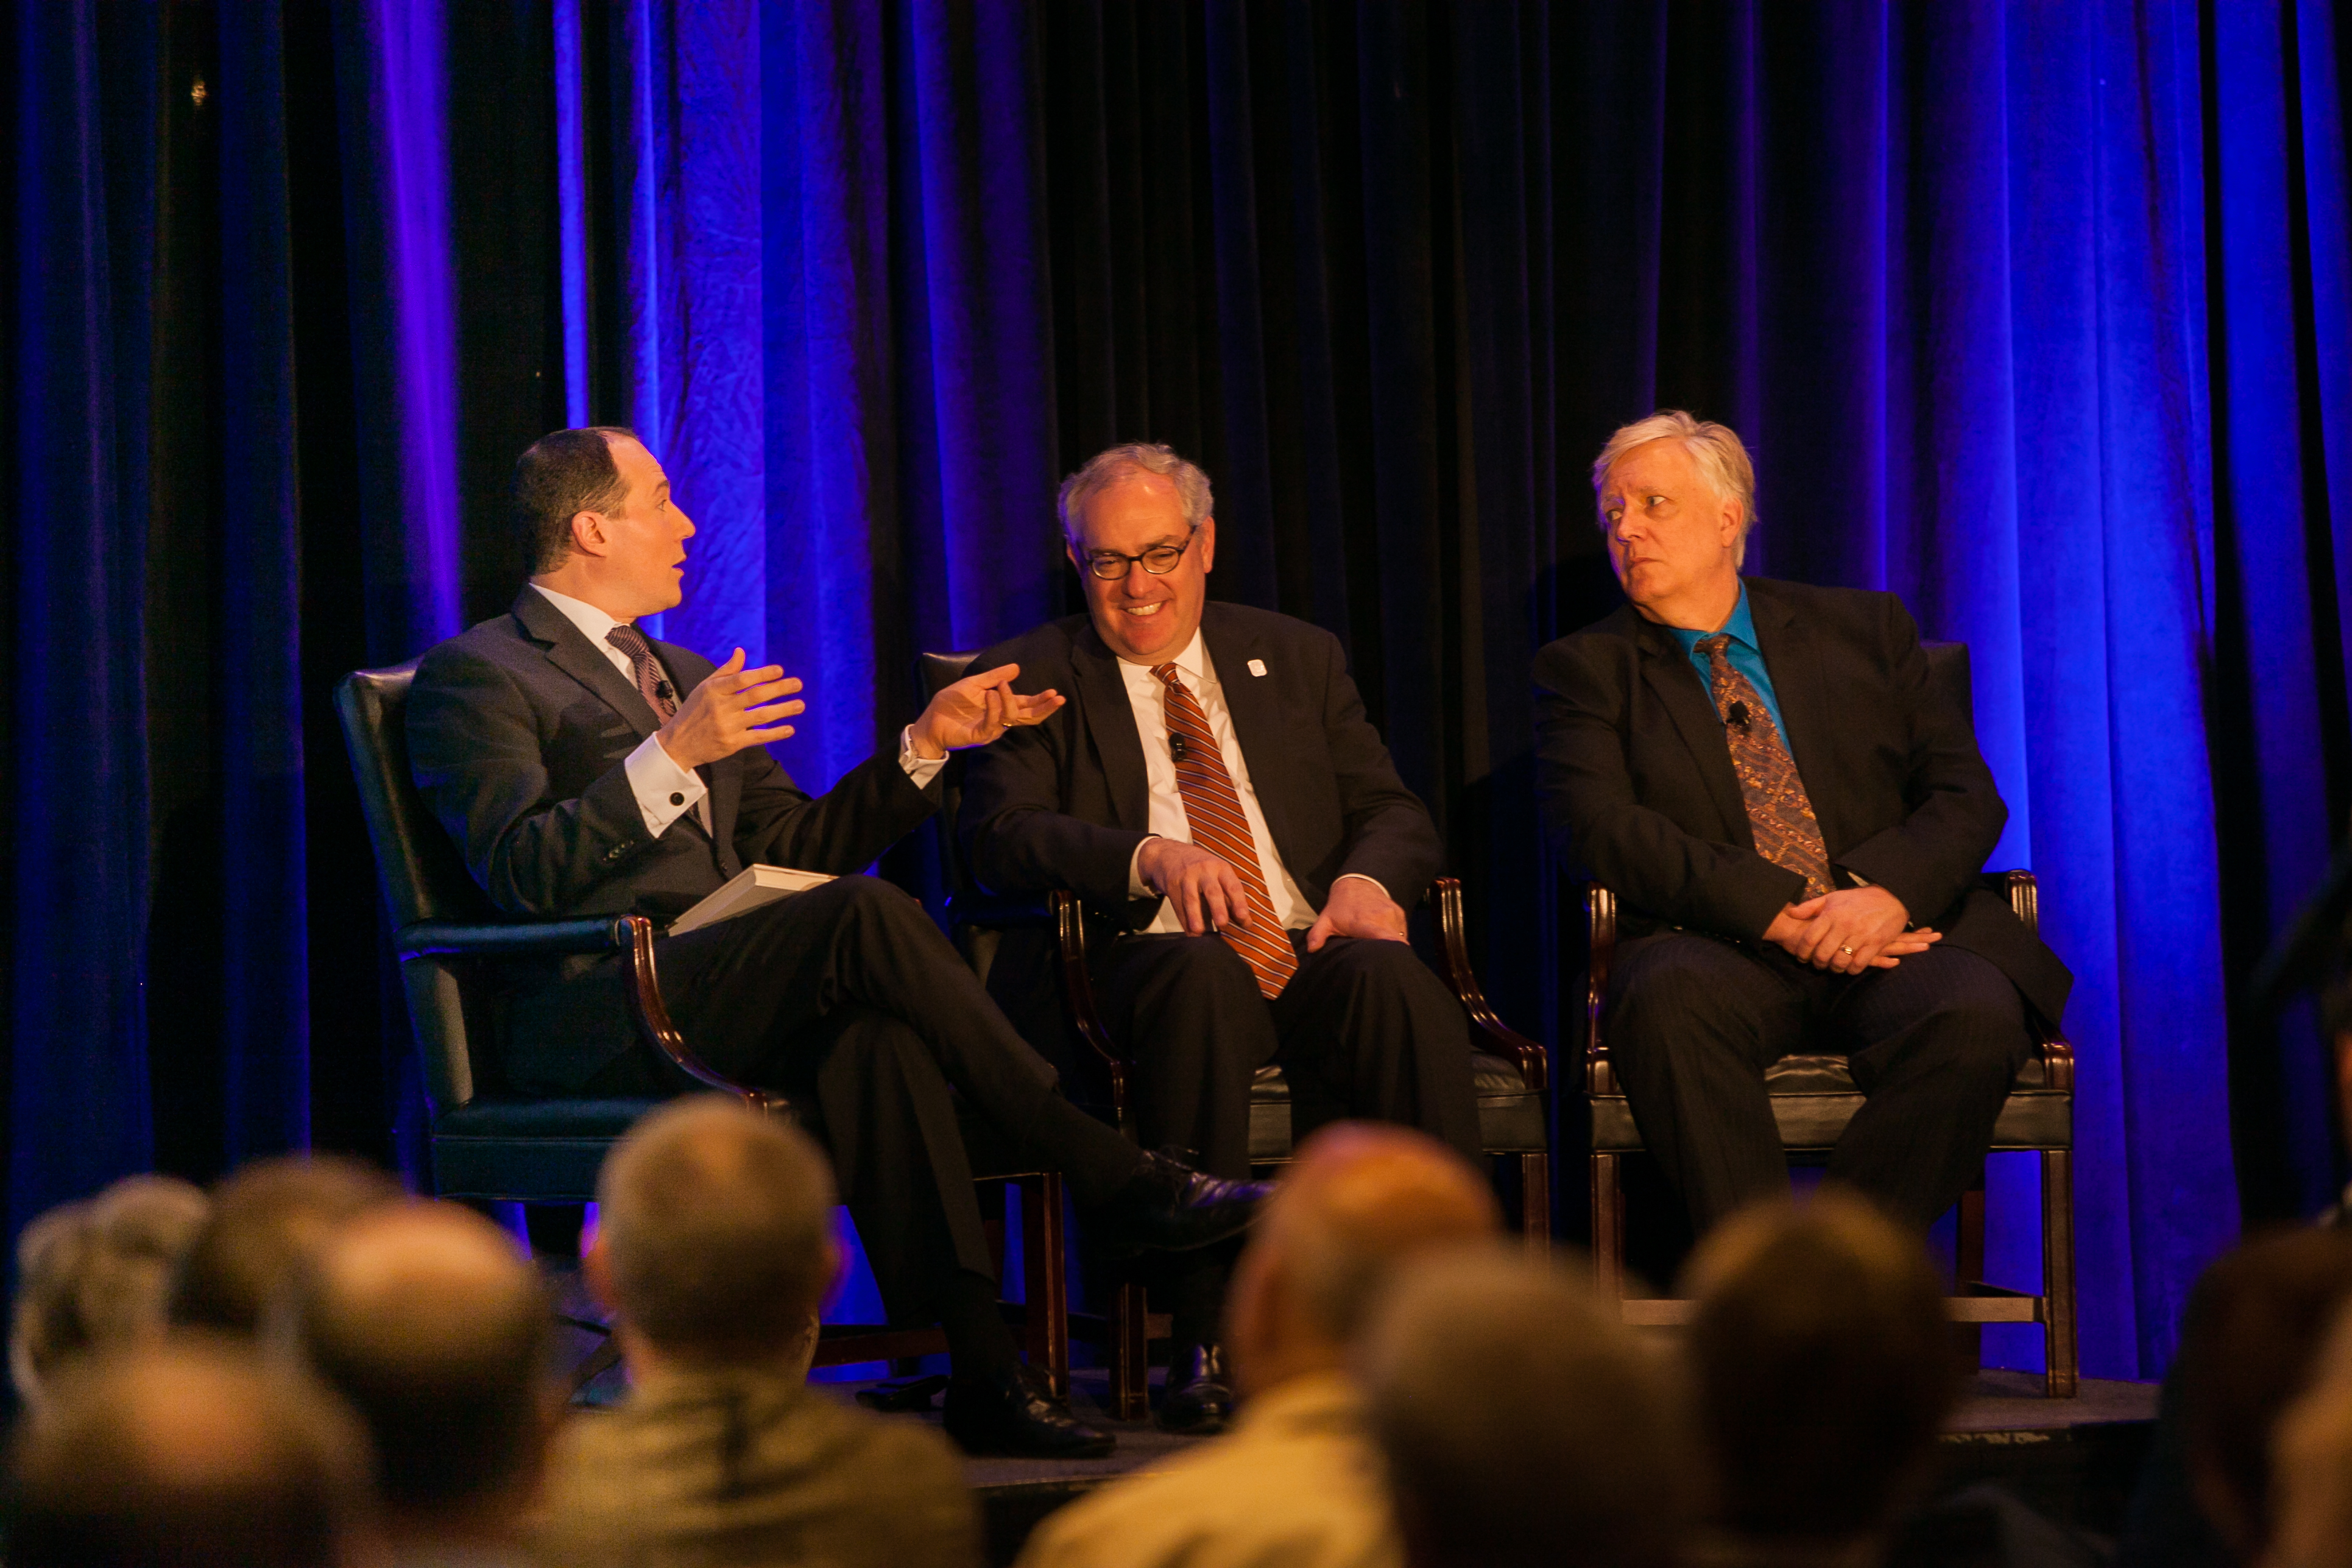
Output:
x=1510 y=1119
x=1814 y=1097
x=1829 y=1075
x=531 y=1151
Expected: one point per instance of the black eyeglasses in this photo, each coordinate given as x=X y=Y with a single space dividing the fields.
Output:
x=1159 y=560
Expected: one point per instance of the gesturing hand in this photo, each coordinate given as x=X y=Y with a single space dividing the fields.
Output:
x=1208 y=893
x=1357 y=907
x=733 y=708
x=1849 y=931
x=978 y=710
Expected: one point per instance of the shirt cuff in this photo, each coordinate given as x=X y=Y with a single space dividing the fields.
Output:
x=1360 y=876
x=1135 y=888
x=665 y=791
x=921 y=770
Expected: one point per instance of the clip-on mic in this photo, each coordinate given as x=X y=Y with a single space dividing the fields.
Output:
x=1737 y=714
x=1176 y=747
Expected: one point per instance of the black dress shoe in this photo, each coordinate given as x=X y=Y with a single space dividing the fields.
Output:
x=1015 y=1412
x=1199 y=1396
x=1169 y=1207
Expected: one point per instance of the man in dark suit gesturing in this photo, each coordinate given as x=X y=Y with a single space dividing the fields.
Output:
x=583 y=769
x=1794 y=824
x=1214 y=790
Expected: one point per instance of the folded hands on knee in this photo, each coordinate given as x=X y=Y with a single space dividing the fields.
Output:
x=1849 y=931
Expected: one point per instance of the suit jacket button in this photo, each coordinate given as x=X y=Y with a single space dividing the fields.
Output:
x=676 y=798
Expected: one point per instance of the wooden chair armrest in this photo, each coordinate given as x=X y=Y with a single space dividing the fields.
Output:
x=654 y=1022
x=1453 y=950
x=1601 y=935
x=1078 y=992
x=2023 y=893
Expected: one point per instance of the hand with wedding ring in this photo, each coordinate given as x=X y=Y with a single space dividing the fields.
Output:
x=1849 y=931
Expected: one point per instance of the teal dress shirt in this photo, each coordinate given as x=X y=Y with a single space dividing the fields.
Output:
x=1745 y=656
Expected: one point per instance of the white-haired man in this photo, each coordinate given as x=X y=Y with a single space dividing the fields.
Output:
x=1212 y=790
x=1793 y=824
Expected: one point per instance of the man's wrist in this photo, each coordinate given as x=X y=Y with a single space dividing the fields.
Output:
x=919 y=739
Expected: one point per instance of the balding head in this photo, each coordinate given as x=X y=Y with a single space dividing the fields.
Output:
x=267 y=1221
x=1360 y=1202
x=1522 y=1422
x=430 y=1322
x=190 y=1453
x=1824 y=1367
x=715 y=1232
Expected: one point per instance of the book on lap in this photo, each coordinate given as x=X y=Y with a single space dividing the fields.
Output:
x=756 y=886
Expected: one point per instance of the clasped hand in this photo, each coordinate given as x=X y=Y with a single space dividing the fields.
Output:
x=1849 y=931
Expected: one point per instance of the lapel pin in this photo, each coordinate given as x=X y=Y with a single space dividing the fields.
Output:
x=1257 y=666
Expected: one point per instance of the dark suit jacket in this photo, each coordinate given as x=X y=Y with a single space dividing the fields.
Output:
x=1063 y=804
x=1637 y=787
x=519 y=731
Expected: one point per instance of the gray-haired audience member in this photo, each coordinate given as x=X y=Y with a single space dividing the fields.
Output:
x=1298 y=1480
x=1523 y=1423
x=426 y=1318
x=1824 y=1369
x=2311 y=1465
x=267 y=1219
x=190 y=1454
x=97 y=1274
x=714 y=1251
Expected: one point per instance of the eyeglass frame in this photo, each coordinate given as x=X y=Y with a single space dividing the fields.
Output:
x=1131 y=561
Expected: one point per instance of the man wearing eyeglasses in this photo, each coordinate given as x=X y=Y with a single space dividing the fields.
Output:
x=1213 y=791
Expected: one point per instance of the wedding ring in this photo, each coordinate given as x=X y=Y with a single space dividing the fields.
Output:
x=1847 y=950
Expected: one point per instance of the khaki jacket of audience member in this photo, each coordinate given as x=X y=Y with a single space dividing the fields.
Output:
x=714 y=1468
x=1299 y=1482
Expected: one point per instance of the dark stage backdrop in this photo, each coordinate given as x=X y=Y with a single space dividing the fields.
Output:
x=2036 y=315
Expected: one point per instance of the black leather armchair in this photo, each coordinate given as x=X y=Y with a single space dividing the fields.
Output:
x=489 y=1142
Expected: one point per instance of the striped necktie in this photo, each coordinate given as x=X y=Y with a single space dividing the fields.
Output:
x=653 y=681
x=1213 y=809
x=1778 y=811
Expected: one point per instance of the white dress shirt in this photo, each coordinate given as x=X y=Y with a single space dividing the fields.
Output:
x=665 y=791
x=1148 y=697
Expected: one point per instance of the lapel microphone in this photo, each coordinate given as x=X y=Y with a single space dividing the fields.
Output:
x=1176 y=747
x=662 y=690
x=1738 y=714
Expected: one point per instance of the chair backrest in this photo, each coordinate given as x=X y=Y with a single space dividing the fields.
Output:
x=422 y=876
x=1948 y=678
x=936 y=672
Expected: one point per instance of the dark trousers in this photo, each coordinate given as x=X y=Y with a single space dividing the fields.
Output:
x=1363 y=1029
x=1935 y=1043
x=847 y=999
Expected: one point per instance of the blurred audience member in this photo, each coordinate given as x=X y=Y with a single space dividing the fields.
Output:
x=267 y=1219
x=97 y=1274
x=2311 y=1465
x=435 y=1330
x=714 y=1251
x=1523 y=1424
x=1298 y=1481
x=1824 y=1371
x=189 y=1454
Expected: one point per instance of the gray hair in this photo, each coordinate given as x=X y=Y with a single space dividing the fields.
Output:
x=97 y=1275
x=1714 y=449
x=1109 y=466
x=1522 y=1422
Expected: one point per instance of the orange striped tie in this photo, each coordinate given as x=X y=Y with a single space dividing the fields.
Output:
x=1214 y=810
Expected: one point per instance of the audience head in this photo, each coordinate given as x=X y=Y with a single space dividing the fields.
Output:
x=1522 y=1422
x=2311 y=1464
x=1824 y=1368
x=267 y=1220
x=2249 y=1345
x=714 y=1238
x=97 y=1275
x=1358 y=1203
x=1142 y=499
x=190 y=1453
x=436 y=1331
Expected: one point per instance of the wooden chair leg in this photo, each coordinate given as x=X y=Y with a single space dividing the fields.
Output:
x=1534 y=1201
x=1608 y=1229
x=1130 y=1354
x=1967 y=1269
x=1044 y=1264
x=2060 y=1352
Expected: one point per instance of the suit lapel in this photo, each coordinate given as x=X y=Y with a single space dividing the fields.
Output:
x=570 y=653
x=1800 y=687
x=1255 y=710
x=1110 y=720
x=1675 y=683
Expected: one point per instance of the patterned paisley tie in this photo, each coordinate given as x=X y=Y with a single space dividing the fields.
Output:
x=1213 y=809
x=1778 y=811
